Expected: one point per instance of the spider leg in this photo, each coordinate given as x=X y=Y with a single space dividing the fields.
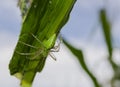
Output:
x=24 y=54
x=37 y=40
x=52 y=56
x=36 y=55
x=27 y=45
x=57 y=47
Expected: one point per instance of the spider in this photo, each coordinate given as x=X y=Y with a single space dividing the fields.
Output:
x=42 y=50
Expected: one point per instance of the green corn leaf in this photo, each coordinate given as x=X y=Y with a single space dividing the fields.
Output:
x=108 y=39
x=79 y=55
x=40 y=28
x=107 y=35
x=106 y=30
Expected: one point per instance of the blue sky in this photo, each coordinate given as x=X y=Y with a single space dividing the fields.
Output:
x=65 y=72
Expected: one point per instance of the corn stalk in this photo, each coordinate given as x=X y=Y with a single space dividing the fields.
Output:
x=41 y=25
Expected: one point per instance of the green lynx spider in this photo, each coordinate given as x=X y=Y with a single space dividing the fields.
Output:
x=40 y=50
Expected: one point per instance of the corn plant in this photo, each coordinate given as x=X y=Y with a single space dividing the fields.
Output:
x=42 y=22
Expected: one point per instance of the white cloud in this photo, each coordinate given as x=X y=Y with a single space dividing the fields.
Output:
x=90 y=4
x=9 y=15
x=9 y=6
x=7 y=44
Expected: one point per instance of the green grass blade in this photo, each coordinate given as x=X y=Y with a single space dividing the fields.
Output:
x=40 y=29
x=79 y=55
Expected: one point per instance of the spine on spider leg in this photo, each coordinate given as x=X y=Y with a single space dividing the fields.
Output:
x=44 y=20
